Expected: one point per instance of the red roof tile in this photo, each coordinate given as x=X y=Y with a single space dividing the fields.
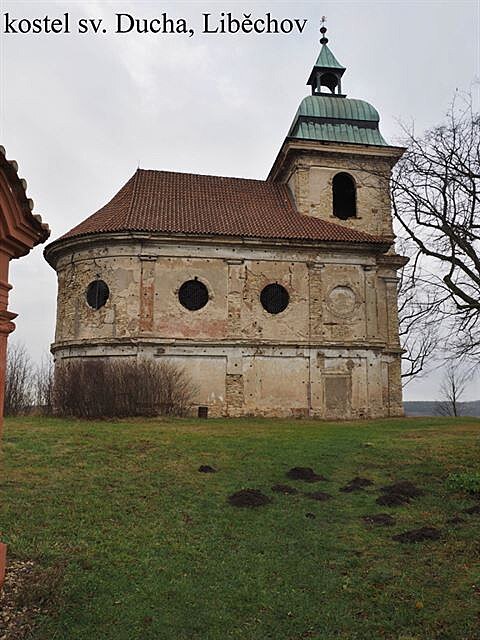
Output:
x=167 y=202
x=19 y=188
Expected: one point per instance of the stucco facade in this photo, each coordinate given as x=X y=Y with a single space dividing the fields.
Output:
x=332 y=352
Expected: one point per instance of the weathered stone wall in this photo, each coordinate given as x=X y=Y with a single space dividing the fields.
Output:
x=120 y=317
x=333 y=353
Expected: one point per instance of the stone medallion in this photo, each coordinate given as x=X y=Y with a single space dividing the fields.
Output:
x=342 y=301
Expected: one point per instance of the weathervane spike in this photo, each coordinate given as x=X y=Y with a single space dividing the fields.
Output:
x=323 y=30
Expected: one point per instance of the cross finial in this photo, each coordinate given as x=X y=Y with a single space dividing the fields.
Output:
x=323 y=30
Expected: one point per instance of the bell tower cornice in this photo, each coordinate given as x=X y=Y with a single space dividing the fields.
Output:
x=302 y=149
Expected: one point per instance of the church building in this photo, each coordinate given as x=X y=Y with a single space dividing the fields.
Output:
x=278 y=297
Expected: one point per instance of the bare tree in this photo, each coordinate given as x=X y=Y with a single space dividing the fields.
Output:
x=435 y=192
x=43 y=385
x=18 y=380
x=452 y=388
x=418 y=316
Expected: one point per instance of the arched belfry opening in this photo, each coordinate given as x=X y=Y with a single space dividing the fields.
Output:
x=344 y=196
x=329 y=80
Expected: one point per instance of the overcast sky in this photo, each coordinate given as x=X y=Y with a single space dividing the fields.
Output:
x=79 y=113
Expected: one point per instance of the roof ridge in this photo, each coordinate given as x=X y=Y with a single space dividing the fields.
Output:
x=201 y=175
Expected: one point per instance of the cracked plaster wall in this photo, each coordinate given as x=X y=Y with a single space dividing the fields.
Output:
x=332 y=353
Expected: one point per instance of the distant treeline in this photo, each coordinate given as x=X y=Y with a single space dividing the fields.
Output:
x=431 y=408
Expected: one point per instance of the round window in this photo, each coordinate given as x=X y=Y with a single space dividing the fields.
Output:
x=274 y=298
x=97 y=294
x=193 y=295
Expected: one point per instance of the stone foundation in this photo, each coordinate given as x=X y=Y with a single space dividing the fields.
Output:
x=287 y=382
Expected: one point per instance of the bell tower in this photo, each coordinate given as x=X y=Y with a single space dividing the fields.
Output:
x=327 y=72
x=334 y=159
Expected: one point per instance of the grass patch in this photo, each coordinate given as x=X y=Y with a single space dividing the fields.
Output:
x=150 y=548
x=468 y=481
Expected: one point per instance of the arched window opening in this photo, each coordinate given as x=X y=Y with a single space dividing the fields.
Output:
x=344 y=196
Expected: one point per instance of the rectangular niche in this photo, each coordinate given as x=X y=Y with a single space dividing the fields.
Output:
x=276 y=382
x=338 y=396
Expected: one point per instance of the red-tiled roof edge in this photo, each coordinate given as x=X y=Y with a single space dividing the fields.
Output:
x=19 y=187
x=276 y=195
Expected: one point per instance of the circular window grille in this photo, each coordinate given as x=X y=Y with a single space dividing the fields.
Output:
x=193 y=295
x=274 y=298
x=97 y=294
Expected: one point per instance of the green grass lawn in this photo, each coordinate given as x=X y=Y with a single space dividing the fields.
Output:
x=150 y=549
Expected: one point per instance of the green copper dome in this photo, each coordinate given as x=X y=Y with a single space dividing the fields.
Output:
x=339 y=108
x=328 y=115
x=335 y=119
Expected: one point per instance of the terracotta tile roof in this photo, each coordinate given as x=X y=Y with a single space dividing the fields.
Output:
x=167 y=202
x=19 y=188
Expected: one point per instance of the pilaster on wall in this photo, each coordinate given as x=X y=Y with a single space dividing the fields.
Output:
x=316 y=301
x=147 y=292
x=371 y=312
x=391 y=283
x=236 y=282
x=395 y=404
x=299 y=184
x=234 y=382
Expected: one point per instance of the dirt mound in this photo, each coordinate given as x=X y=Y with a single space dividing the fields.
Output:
x=356 y=484
x=380 y=519
x=392 y=500
x=319 y=495
x=206 y=468
x=248 y=498
x=418 y=535
x=304 y=473
x=403 y=488
x=398 y=493
x=284 y=488
x=475 y=510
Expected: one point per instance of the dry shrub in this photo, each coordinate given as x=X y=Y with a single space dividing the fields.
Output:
x=18 y=380
x=108 y=388
x=43 y=386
